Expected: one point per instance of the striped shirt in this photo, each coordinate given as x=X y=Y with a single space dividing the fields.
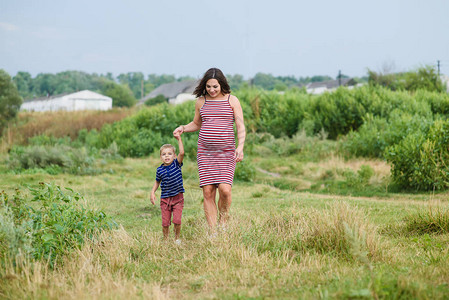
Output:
x=216 y=143
x=170 y=178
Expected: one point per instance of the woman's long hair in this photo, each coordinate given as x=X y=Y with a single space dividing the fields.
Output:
x=212 y=73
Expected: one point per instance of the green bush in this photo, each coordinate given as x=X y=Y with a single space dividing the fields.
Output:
x=337 y=113
x=377 y=133
x=55 y=224
x=45 y=140
x=419 y=161
x=245 y=171
x=147 y=130
x=14 y=236
x=424 y=78
x=54 y=159
x=156 y=100
x=272 y=112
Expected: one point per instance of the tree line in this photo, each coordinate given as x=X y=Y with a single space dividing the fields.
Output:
x=136 y=84
x=125 y=89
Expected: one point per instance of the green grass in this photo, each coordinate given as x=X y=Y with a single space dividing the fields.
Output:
x=285 y=240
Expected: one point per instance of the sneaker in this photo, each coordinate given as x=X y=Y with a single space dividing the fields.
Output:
x=178 y=242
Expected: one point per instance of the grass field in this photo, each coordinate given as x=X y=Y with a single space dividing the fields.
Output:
x=303 y=229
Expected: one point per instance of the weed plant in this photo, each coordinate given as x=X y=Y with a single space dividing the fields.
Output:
x=54 y=225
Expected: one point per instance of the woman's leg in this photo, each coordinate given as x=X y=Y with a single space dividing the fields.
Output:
x=224 y=201
x=210 y=208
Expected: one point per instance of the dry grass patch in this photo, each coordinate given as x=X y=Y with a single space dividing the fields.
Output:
x=60 y=124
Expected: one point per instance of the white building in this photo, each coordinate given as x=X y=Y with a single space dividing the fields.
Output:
x=83 y=100
x=175 y=92
x=317 y=88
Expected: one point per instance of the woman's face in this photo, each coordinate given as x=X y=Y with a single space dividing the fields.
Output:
x=213 y=88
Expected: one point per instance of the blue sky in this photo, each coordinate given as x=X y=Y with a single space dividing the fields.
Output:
x=282 y=37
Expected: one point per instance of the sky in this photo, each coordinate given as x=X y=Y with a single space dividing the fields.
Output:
x=185 y=38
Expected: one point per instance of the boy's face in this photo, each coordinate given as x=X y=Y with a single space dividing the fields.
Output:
x=167 y=156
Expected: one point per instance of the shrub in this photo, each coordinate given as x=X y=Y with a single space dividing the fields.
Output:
x=245 y=171
x=419 y=161
x=54 y=159
x=272 y=112
x=156 y=100
x=14 y=238
x=337 y=113
x=376 y=134
x=144 y=132
x=56 y=223
x=307 y=147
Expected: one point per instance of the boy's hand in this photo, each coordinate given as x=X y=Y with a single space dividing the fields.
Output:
x=178 y=131
x=152 y=197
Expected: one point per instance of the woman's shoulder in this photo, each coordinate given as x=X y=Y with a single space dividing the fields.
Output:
x=199 y=101
x=233 y=100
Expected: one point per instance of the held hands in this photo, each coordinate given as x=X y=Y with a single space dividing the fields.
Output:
x=178 y=131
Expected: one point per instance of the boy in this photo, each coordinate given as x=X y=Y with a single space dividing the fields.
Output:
x=169 y=176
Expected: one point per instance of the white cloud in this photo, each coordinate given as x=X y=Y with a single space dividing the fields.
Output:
x=8 y=27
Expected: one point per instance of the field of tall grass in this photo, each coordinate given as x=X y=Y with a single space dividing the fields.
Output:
x=309 y=225
x=340 y=196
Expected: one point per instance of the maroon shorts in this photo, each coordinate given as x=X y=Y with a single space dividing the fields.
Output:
x=172 y=205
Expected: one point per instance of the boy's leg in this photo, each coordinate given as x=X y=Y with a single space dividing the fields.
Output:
x=166 y=218
x=177 y=231
x=165 y=231
x=177 y=213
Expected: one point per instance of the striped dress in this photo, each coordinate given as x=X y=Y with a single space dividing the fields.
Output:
x=216 y=143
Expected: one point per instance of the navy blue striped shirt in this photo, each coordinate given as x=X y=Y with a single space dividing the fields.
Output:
x=170 y=178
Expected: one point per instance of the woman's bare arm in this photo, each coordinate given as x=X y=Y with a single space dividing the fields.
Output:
x=195 y=125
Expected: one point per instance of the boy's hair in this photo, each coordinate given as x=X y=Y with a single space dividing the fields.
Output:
x=165 y=146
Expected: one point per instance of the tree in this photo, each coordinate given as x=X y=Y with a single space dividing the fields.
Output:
x=24 y=84
x=158 y=80
x=387 y=80
x=121 y=94
x=45 y=84
x=134 y=82
x=10 y=99
x=424 y=78
x=265 y=81
x=72 y=81
x=235 y=81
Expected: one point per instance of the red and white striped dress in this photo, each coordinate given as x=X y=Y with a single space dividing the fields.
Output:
x=216 y=143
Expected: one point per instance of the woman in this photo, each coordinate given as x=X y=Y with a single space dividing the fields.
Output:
x=216 y=111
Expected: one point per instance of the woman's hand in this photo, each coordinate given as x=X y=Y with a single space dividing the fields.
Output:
x=178 y=131
x=238 y=154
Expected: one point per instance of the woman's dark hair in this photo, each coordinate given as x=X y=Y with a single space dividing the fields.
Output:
x=212 y=73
